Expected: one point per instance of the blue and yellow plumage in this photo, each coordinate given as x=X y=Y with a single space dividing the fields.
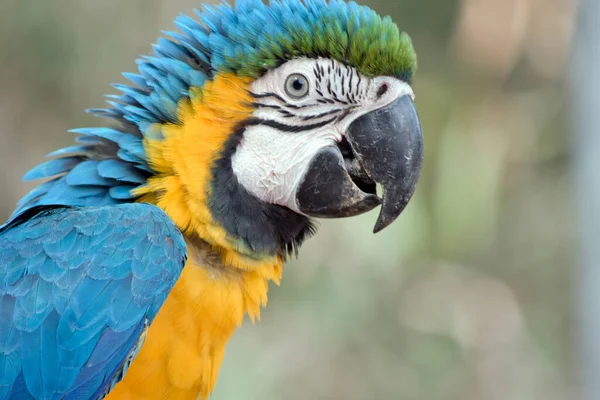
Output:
x=94 y=298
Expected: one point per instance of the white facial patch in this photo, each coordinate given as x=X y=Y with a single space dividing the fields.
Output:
x=277 y=149
x=270 y=164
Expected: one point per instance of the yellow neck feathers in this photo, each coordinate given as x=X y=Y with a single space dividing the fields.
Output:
x=183 y=156
x=185 y=344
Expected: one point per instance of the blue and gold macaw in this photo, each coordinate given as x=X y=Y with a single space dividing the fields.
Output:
x=127 y=271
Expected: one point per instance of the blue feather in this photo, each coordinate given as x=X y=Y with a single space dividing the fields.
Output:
x=129 y=157
x=167 y=106
x=34 y=194
x=30 y=347
x=106 y=133
x=120 y=171
x=108 y=369
x=137 y=80
x=70 y=150
x=105 y=112
x=33 y=308
x=21 y=287
x=140 y=114
x=155 y=109
x=10 y=369
x=51 y=168
x=121 y=192
x=70 y=312
x=83 y=318
x=133 y=92
x=8 y=332
x=88 y=140
x=111 y=342
x=62 y=190
x=49 y=355
x=169 y=49
x=86 y=173
x=19 y=389
x=64 y=245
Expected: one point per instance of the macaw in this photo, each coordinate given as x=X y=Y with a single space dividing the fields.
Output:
x=125 y=273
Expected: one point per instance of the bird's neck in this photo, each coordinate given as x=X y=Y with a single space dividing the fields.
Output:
x=182 y=156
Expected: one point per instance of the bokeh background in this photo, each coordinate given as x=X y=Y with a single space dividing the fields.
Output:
x=467 y=296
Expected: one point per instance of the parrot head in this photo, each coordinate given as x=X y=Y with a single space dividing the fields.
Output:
x=252 y=120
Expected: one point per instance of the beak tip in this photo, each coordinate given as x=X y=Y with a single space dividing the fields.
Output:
x=378 y=228
x=384 y=221
x=391 y=210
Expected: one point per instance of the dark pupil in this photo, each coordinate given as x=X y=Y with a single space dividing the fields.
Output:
x=298 y=84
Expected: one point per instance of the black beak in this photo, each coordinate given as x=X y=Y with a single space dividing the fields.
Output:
x=383 y=147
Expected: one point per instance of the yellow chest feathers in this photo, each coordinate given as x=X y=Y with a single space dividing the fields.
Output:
x=184 y=347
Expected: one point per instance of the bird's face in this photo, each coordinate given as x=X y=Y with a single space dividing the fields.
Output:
x=322 y=136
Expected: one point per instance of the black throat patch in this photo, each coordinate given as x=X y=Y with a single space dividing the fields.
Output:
x=264 y=228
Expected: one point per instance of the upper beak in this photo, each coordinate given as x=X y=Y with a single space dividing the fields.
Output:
x=386 y=147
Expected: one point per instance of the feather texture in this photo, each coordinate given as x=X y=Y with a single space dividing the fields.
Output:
x=74 y=299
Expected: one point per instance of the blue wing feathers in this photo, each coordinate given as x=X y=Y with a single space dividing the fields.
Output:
x=52 y=167
x=121 y=171
x=122 y=192
x=86 y=173
x=19 y=389
x=62 y=190
x=77 y=288
x=87 y=380
x=49 y=355
x=110 y=342
x=10 y=370
x=69 y=150
x=8 y=337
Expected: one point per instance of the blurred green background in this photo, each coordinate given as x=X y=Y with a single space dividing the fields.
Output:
x=467 y=296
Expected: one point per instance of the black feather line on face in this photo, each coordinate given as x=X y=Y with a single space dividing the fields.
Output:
x=287 y=128
x=322 y=115
x=263 y=227
x=267 y=95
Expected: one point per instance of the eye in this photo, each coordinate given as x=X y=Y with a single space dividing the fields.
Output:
x=296 y=86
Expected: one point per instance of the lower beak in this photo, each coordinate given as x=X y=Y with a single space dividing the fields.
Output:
x=386 y=148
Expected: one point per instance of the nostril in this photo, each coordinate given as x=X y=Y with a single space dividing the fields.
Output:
x=382 y=90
